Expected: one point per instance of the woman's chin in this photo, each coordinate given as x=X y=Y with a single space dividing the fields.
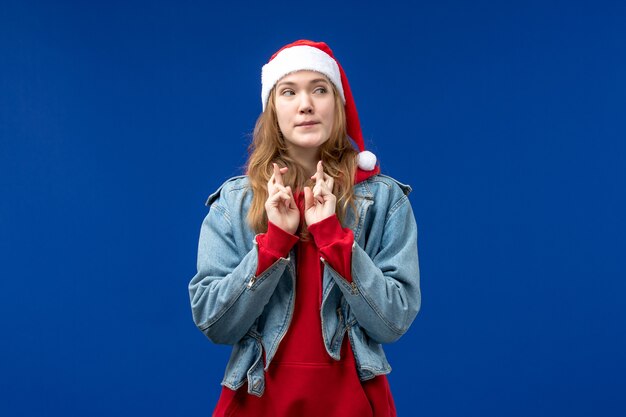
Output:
x=307 y=142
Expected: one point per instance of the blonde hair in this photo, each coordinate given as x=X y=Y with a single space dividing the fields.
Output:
x=268 y=146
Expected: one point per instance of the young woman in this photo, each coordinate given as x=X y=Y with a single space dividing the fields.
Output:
x=308 y=263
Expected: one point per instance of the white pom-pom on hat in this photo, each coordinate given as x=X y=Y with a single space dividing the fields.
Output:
x=366 y=160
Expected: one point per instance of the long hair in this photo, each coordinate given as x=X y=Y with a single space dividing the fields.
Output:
x=268 y=146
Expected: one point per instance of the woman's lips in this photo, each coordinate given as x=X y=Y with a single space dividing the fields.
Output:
x=306 y=124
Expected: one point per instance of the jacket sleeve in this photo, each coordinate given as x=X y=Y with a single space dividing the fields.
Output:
x=226 y=294
x=335 y=244
x=384 y=291
x=273 y=245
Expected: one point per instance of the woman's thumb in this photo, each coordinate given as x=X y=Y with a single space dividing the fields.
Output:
x=308 y=198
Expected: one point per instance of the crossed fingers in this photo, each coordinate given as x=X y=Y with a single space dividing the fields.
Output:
x=276 y=187
x=323 y=183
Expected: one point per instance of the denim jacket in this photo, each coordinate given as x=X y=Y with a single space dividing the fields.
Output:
x=231 y=305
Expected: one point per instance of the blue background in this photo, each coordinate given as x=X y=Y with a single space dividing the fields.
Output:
x=117 y=119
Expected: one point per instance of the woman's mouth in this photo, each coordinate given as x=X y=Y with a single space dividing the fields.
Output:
x=306 y=124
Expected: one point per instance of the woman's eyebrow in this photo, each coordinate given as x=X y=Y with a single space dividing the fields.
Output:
x=317 y=80
x=291 y=83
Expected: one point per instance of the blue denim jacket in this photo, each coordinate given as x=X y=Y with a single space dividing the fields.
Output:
x=231 y=305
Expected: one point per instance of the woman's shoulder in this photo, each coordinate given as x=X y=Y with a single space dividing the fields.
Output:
x=233 y=186
x=382 y=184
x=385 y=193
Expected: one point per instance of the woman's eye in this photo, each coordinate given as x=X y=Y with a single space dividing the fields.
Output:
x=321 y=90
x=287 y=93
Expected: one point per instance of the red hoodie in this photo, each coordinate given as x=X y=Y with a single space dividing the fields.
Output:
x=303 y=380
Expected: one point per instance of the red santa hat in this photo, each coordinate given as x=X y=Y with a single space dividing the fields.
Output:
x=317 y=56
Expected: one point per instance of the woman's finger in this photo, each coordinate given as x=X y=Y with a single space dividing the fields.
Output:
x=320 y=171
x=278 y=174
x=292 y=202
x=279 y=197
x=274 y=185
x=270 y=185
x=316 y=176
x=323 y=182
x=308 y=198
x=330 y=182
x=317 y=190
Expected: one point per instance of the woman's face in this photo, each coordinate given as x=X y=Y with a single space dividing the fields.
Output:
x=305 y=109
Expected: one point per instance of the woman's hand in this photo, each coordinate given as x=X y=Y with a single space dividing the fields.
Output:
x=320 y=202
x=280 y=206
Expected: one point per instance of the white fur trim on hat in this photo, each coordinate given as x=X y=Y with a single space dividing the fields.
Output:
x=298 y=58
x=366 y=160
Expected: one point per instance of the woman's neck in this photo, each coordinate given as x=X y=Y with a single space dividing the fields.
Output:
x=306 y=158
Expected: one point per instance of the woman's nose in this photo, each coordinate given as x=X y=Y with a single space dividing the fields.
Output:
x=306 y=104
